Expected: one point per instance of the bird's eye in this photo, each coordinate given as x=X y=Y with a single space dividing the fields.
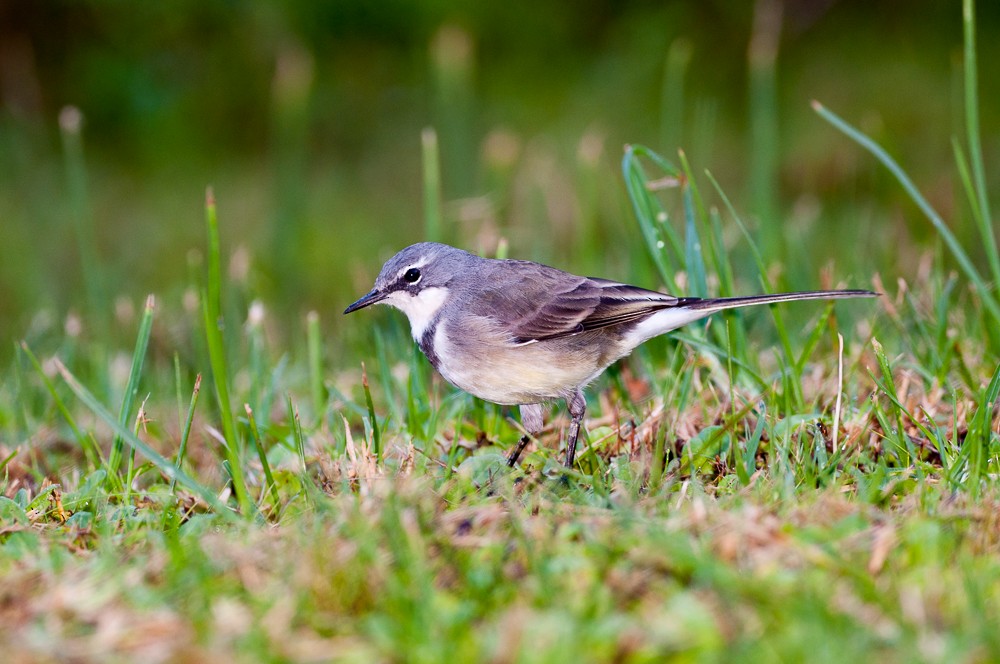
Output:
x=412 y=276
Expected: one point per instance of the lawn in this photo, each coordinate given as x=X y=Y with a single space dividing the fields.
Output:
x=210 y=473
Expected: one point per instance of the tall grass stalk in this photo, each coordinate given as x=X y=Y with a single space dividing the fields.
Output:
x=375 y=430
x=211 y=301
x=897 y=429
x=140 y=421
x=297 y=435
x=314 y=341
x=186 y=430
x=453 y=69
x=271 y=488
x=954 y=246
x=979 y=438
x=71 y=129
x=132 y=386
x=980 y=202
x=431 y=160
x=840 y=392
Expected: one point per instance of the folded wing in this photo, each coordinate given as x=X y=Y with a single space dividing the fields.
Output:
x=563 y=308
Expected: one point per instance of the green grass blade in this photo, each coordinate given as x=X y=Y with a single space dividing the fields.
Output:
x=315 y=345
x=177 y=389
x=300 y=440
x=431 y=159
x=6 y=460
x=271 y=487
x=212 y=317
x=186 y=430
x=383 y=346
x=132 y=386
x=648 y=211
x=888 y=387
x=71 y=128
x=658 y=461
x=140 y=419
x=701 y=212
x=694 y=259
x=981 y=433
x=949 y=238
x=970 y=69
x=992 y=395
x=376 y=433
x=753 y=444
x=694 y=255
x=161 y=463
x=21 y=419
x=965 y=176
x=813 y=339
x=418 y=405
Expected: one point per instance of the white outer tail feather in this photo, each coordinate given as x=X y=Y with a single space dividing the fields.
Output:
x=674 y=317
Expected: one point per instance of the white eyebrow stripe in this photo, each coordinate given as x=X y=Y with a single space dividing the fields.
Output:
x=403 y=270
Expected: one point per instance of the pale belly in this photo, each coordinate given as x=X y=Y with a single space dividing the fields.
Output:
x=509 y=374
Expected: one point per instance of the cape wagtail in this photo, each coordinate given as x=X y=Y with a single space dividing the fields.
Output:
x=520 y=333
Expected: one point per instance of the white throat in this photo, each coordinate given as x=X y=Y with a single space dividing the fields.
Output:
x=420 y=308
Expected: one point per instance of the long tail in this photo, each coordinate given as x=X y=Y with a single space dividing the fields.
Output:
x=719 y=303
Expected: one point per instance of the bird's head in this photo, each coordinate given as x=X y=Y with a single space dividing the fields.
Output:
x=417 y=281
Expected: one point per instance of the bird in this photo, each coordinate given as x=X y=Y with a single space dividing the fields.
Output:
x=519 y=333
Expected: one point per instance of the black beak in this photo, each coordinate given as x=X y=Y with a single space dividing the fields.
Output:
x=371 y=298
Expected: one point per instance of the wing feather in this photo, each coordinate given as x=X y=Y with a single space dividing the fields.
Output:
x=544 y=303
x=569 y=307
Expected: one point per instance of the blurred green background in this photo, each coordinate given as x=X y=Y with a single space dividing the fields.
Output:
x=306 y=119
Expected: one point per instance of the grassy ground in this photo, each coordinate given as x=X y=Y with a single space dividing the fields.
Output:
x=805 y=482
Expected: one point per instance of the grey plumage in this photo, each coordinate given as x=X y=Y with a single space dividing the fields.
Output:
x=521 y=333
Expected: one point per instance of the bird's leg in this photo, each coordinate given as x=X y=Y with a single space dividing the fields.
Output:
x=531 y=420
x=577 y=407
